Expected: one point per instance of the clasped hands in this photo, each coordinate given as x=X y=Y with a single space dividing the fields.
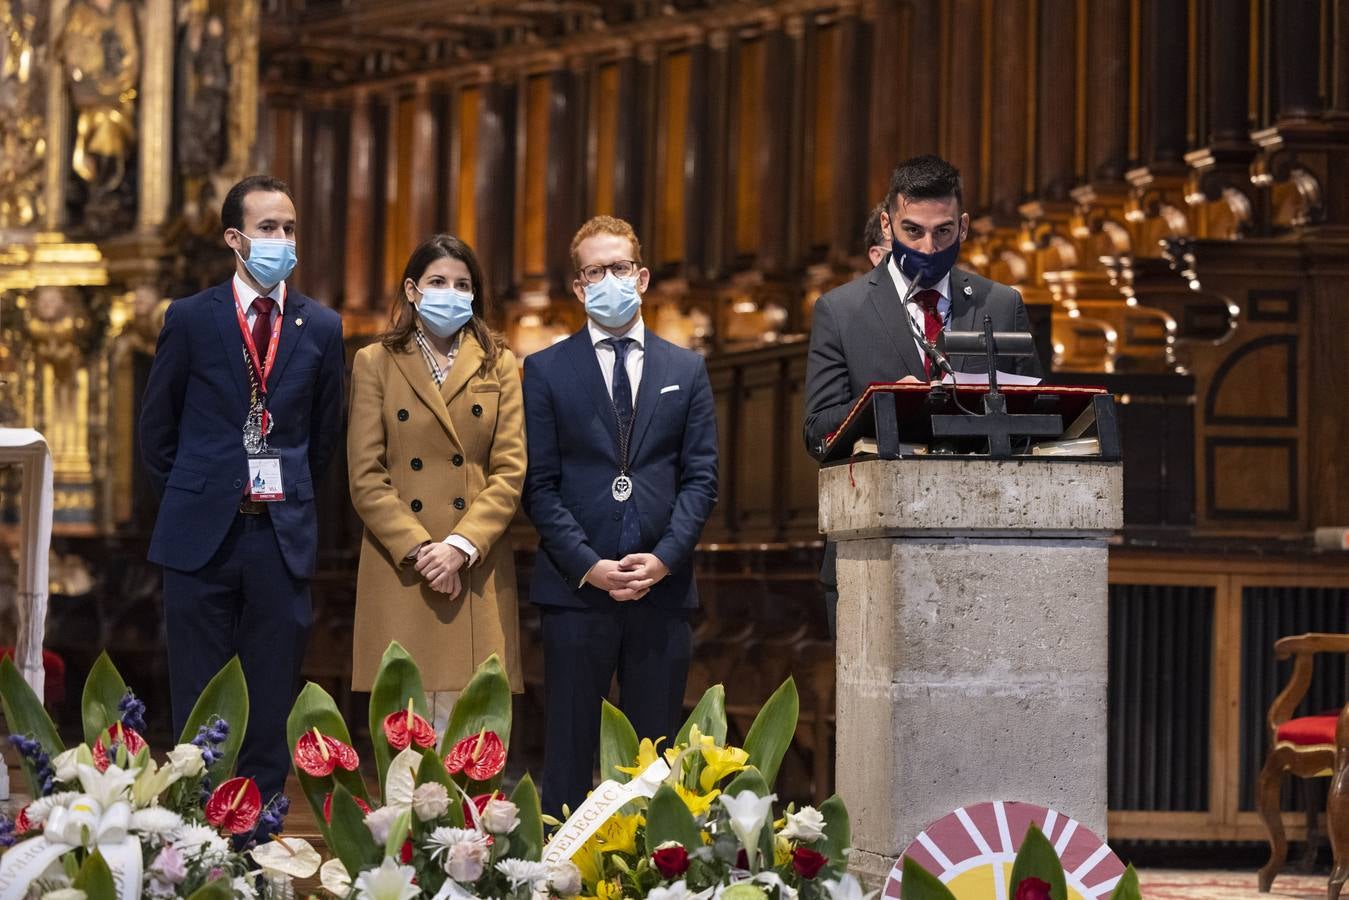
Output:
x=629 y=578
x=439 y=563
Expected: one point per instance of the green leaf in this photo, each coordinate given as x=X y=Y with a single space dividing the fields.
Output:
x=1037 y=859
x=773 y=729
x=1128 y=888
x=484 y=704
x=314 y=708
x=837 y=831
x=433 y=769
x=618 y=743
x=103 y=691
x=226 y=696
x=95 y=879
x=709 y=715
x=397 y=682
x=920 y=884
x=347 y=834
x=669 y=819
x=398 y=833
x=527 y=838
x=219 y=889
x=25 y=715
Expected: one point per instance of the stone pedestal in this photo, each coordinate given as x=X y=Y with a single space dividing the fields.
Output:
x=971 y=640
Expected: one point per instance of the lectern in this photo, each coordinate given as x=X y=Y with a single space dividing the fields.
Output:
x=972 y=610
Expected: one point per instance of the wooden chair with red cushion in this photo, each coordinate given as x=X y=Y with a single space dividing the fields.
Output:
x=1308 y=747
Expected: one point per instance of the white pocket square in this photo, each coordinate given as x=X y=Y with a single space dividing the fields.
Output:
x=668 y=388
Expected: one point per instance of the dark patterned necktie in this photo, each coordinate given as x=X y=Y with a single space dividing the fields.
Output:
x=932 y=323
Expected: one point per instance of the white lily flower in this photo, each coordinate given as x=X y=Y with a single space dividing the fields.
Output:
x=65 y=894
x=389 y=882
x=287 y=856
x=85 y=823
x=334 y=878
x=401 y=780
x=748 y=812
x=523 y=871
x=151 y=782
x=109 y=786
x=847 y=888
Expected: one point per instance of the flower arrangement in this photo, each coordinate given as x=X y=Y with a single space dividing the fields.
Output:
x=693 y=820
x=108 y=820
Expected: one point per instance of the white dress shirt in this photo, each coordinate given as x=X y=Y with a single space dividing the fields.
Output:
x=247 y=295
x=916 y=313
x=632 y=362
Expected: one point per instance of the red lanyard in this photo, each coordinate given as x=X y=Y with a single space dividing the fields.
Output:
x=261 y=368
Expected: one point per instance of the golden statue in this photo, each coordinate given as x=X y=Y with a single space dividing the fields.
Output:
x=99 y=49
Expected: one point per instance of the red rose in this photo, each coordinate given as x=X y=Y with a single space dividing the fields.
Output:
x=808 y=863
x=1031 y=888
x=671 y=861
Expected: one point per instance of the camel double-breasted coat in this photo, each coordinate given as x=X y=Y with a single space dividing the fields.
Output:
x=425 y=462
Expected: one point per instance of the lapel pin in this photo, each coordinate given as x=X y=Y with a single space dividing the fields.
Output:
x=968 y=291
x=299 y=321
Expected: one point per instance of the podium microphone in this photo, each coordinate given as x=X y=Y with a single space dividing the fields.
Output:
x=939 y=360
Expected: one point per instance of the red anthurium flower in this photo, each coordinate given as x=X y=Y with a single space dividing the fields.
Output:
x=480 y=756
x=405 y=726
x=480 y=803
x=318 y=755
x=671 y=861
x=405 y=855
x=1031 y=888
x=116 y=734
x=808 y=862
x=328 y=807
x=235 y=805
x=21 y=823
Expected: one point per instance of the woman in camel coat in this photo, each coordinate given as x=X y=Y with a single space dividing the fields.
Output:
x=436 y=458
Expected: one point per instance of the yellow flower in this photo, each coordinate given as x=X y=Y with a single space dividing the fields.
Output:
x=609 y=890
x=698 y=804
x=619 y=834
x=782 y=851
x=646 y=755
x=721 y=761
x=588 y=861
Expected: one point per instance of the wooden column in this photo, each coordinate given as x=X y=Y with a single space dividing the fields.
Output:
x=325 y=247
x=360 y=230
x=1106 y=85
x=565 y=181
x=773 y=138
x=698 y=200
x=495 y=185
x=1011 y=118
x=1163 y=83
x=425 y=141
x=1339 y=60
x=717 y=99
x=155 y=143
x=1229 y=62
x=961 y=109
x=1056 y=100
x=905 y=80
x=851 y=200
x=1295 y=25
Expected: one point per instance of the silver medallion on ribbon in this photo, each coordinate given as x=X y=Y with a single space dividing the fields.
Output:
x=622 y=488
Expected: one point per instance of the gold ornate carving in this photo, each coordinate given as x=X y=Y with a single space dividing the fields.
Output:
x=22 y=104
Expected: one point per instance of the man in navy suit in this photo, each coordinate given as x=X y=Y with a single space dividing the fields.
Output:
x=245 y=393
x=622 y=476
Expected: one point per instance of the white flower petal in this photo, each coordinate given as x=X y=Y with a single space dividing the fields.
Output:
x=287 y=856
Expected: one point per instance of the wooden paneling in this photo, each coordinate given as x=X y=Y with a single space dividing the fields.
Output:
x=826 y=71
x=671 y=145
x=604 y=110
x=465 y=173
x=747 y=139
x=360 y=231
x=532 y=213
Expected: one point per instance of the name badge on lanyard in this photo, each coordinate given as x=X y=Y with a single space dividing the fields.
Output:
x=264 y=467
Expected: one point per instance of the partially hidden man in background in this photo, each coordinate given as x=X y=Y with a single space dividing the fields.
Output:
x=622 y=475
x=241 y=413
x=859 y=334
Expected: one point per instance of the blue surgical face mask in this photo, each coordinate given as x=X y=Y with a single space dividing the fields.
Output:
x=270 y=260
x=613 y=301
x=925 y=268
x=444 y=311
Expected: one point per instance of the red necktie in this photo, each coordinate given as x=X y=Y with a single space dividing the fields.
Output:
x=262 y=325
x=932 y=323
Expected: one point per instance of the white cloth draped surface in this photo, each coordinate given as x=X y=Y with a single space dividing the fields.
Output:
x=28 y=449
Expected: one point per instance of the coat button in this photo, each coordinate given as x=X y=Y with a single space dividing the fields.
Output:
x=458 y=459
x=477 y=409
x=618 y=517
x=416 y=506
x=402 y=415
x=238 y=483
x=416 y=464
x=458 y=502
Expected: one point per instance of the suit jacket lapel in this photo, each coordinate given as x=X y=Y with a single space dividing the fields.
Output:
x=885 y=303
x=964 y=309
x=581 y=353
x=231 y=342
x=292 y=329
x=655 y=361
x=418 y=377
x=466 y=363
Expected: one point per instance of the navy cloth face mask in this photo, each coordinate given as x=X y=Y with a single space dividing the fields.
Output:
x=926 y=269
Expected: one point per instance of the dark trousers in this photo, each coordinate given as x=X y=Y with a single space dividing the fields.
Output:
x=243 y=602
x=646 y=646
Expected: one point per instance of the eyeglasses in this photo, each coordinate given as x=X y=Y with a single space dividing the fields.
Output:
x=622 y=268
